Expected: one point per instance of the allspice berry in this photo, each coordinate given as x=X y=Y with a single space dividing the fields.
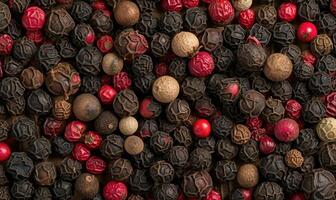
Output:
x=248 y=176
x=185 y=44
x=326 y=129
x=278 y=67
x=86 y=107
x=112 y=64
x=86 y=186
x=133 y=145
x=128 y=125
x=165 y=89
x=240 y=134
x=127 y=13
x=294 y=158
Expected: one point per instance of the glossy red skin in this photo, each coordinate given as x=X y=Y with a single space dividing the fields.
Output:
x=308 y=57
x=95 y=165
x=297 y=196
x=247 y=193
x=74 y=131
x=202 y=128
x=144 y=109
x=190 y=3
x=172 y=5
x=99 y=5
x=107 y=94
x=6 y=44
x=115 y=190
x=33 y=18
x=36 y=36
x=213 y=195
x=286 y=130
x=53 y=127
x=201 y=65
x=287 y=11
x=266 y=145
x=105 y=43
x=161 y=69
x=221 y=11
x=92 y=140
x=331 y=104
x=81 y=152
x=246 y=18
x=121 y=81
x=5 y=151
x=254 y=123
x=293 y=109
x=306 y=32
x=90 y=38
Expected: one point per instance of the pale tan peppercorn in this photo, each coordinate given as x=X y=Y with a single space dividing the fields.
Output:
x=326 y=129
x=278 y=67
x=248 y=176
x=185 y=44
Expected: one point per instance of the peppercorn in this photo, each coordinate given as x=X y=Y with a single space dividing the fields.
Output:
x=140 y=181
x=146 y=5
x=294 y=158
x=130 y=44
x=147 y=24
x=83 y=35
x=5 y=16
x=200 y=159
x=135 y=196
x=292 y=181
x=278 y=67
x=320 y=83
x=212 y=39
x=293 y=52
x=261 y=34
x=204 y=107
x=326 y=156
x=166 y=191
x=197 y=184
x=147 y=128
x=178 y=69
x=260 y=84
x=90 y=84
x=39 y=101
x=282 y=90
x=12 y=67
x=101 y=22
x=307 y=142
x=61 y=146
x=4 y=130
x=325 y=129
x=66 y=48
x=241 y=194
x=59 y=23
x=88 y=60
x=160 y=44
x=251 y=56
x=223 y=58
x=69 y=169
x=161 y=142
x=249 y=152
x=196 y=20
x=162 y=172
x=272 y=167
x=19 y=166
x=269 y=190
x=313 y=111
x=322 y=45
x=248 y=176
x=308 y=10
x=86 y=107
x=13 y=28
x=303 y=71
x=182 y=136
x=252 y=103
x=112 y=64
x=143 y=84
x=177 y=111
x=125 y=103
x=24 y=129
x=234 y=35
x=45 y=173
x=267 y=16
x=87 y=186
x=144 y=159
x=62 y=190
x=225 y=170
x=142 y=65
x=221 y=12
x=301 y=92
x=22 y=189
x=308 y=164
x=121 y=169
x=112 y=146
x=81 y=11
x=165 y=89
x=283 y=33
x=171 y=23
x=126 y=13
x=42 y=193
x=273 y=111
x=184 y=44
x=178 y=156
x=16 y=106
x=31 y=78
x=40 y=149
x=48 y=56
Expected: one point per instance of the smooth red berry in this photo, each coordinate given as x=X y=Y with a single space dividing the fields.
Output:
x=74 y=131
x=107 y=94
x=161 y=69
x=201 y=65
x=92 y=140
x=105 y=43
x=5 y=151
x=6 y=44
x=331 y=104
x=266 y=145
x=254 y=123
x=293 y=109
x=297 y=196
x=121 y=81
x=287 y=11
x=246 y=18
x=306 y=32
x=221 y=11
x=201 y=128
x=35 y=36
x=81 y=152
x=53 y=127
x=95 y=165
x=286 y=130
x=308 y=57
x=33 y=18
x=115 y=190
x=172 y=5
x=190 y=3
x=213 y=195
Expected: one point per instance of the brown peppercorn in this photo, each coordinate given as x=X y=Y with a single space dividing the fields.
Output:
x=185 y=44
x=106 y=123
x=165 y=89
x=326 y=129
x=278 y=67
x=322 y=45
x=112 y=64
x=86 y=107
x=126 y=13
x=86 y=186
x=128 y=125
x=294 y=158
x=31 y=78
x=61 y=109
x=248 y=176
x=240 y=134
x=252 y=103
x=45 y=173
x=133 y=145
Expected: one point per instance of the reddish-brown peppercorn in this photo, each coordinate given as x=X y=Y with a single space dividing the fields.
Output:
x=105 y=43
x=53 y=127
x=95 y=165
x=107 y=94
x=266 y=145
x=81 y=152
x=6 y=44
x=121 y=81
x=246 y=18
x=92 y=139
x=287 y=11
x=293 y=109
x=74 y=131
x=172 y=5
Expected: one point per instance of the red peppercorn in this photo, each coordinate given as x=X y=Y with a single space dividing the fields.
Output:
x=161 y=69
x=206 y=1
x=6 y=44
x=145 y=108
x=254 y=123
x=266 y=145
x=105 y=43
x=33 y=18
x=213 y=195
x=115 y=190
x=201 y=128
x=297 y=196
x=81 y=152
x=99 y=5
x=35 y=36
x=258 y=133
x=5 y=151
x=171 y=5
x=53 y=127
x=107 y=13
x=90 y=38
x=190 y=3
x=293 y=109
x=287 y=11
x=306 y=32
x=121 y=81
x=95 y=165
x=247 y=193
x=107 y=94
x=246 y=18
x=331 y=104
x=92 y=140
x=221 y=11
x=333 y=7
x=201 y=65
x=286 y=130
x=74 y=131
x=308 y=57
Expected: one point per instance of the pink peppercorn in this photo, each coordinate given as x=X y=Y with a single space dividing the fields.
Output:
x=172 y=5
x=246 y=18
x=121 y=81
x=266 y=145
x=115 y=190
x=201 y=65
x=293 y=109
x=95 y=165
x=81 y=152
x=33 y=18
x=221 y=11
x=105 y=43
x=286 y=130
x=190 y=3
x=35 y=36
x=6 y=44
x=287 y=11
x=74 y=131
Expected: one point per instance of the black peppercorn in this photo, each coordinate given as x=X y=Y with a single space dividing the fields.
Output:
x=66 y=49
x=14 y=28
x=225 y=170
x=251 y=56
x=308 y=164
x=282 y=148
x=112 y=146
x=61 y=146
x=303 y=71
x=308 y=10
x=48 y=56
x=273 y=111
x=40 y=149
x=19 y=166
x=4 y=130
x=5 y=16
x=90 y=84
x=42 y=193
x=135 y=196
x=178 y=68
x=83 y=35
x=212 y=39
x=45 y=173
x=5 y=193
x=11 y=87
x=143 y=84
x=140 y=181
x=178 y=111
x=22 y=189
x=262 y=34
x=11 y=66
x=266 y=16
x=3 y=176
x=24 y=129
x=195 y=20
x=146 y=5
x=160 y=44
x=182 y=136
x=234 y=35
x=282 y=90
x=222 y=126
x=307 y=142
x=147 y=128
x=39 y=101
x=252 y=103
x=161 y=142
x=320 y=83
x=301 y=92
x=193 y=88
x=166 y=191
x=16 y=106
x=293 y=52
x=147 y=24
x=273 y=167
x=204 y=107
x=200 y=159
x=326 y=64
x=59 y=23
x=101 y=22
x=313 y=111
x=327 y=156
x=144 y=159
x=283 y=33
x=234 y=113
x=162 y=172
x=166 y=126
x=326 y=23
x=121 y=169
x=88 y=60
x=321 y=45
x=260 y=83
x=19 y=6
x=178 y=156
x=171 y=23
x=292 y=181
x=197 y=184
x=228 y=91
x=142 y=65
x=81 y=11
x=269 y=190
x=249 y=152
x=208 y=143
x=62 y=190
x=125 y=103
x=106 y=123
x=69 y=169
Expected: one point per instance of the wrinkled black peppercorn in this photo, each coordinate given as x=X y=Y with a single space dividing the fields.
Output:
x=195 y=20
x=88 y=60
x=19 y=166
x=147 y=24
x=233 y=35
x=200 y=159
x=273 y=168
x=160 y=44
x=313 y=111
x=320 y=83
x=171 y=23
x=283 y=33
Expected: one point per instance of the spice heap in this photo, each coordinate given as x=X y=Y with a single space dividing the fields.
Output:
x=168 y=99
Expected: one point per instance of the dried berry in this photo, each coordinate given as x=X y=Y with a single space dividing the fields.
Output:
x=161 y=142
x=101 y=22
x=62 y=190
x=112 y=146
x=22 y=189
x=212 y=39
x=198 y=183
x=223 y=58
x=140 y=181
x=48 y=56
x=121 y=169
x=182 y=136
x=273 y=111
x=261 y=34
x=234 y=35
x=307 y=142
x=269 y=190
x=322 y=45
x=61 y=146
x=31 y=78
x=81 y=11
x=165 y=191
x=88 y=60
x=313 y=111
x=178 y=111
x=267 y=16
x=147 y=24
x=69 y=169
x=126 y=13
x=12 y=67
x=171 y=23
x=125 y=103
x=39 y=101
x=282 y=90
x=24 y=129
x=178 y=156
x=283 y=33
x=251 y=56
x=45 y=173
x=130 y=44
x=160 y=44
x=66 y=49
x=144 y=159
x=308 y=10
x=59 y=23
x=196 y=20
x=303 y=71
x=142 y=65
x=320 y=83
x=252 y=103
x=200 y=159
x=40 y=149
x=19 y=166
x=225 y=170
x=249 y=152
x=162 y=172
x=83 y=35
